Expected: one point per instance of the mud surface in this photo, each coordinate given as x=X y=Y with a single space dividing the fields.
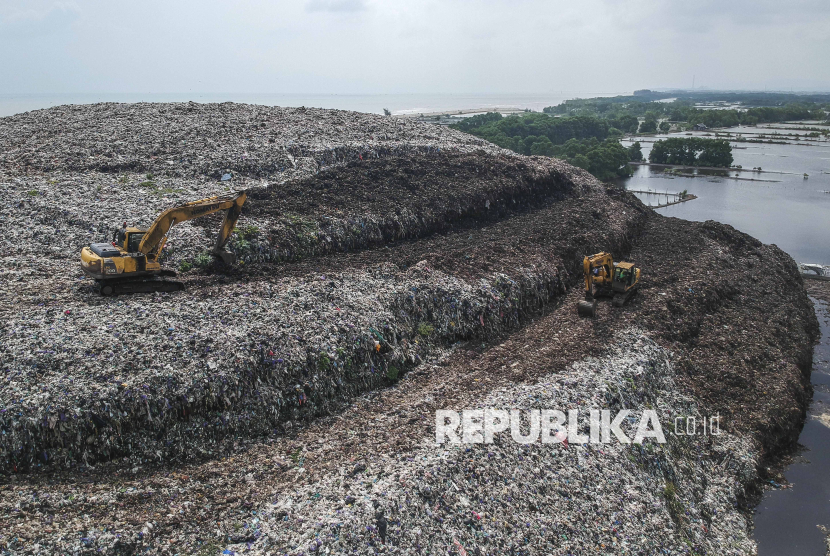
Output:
x=269 y=406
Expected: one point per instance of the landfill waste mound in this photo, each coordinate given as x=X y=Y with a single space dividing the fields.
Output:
x=737 y=311
x=818 y=289
x=190 y=139
x=288 y=404
x=250 y=350
x=505 y=497
x=131 y=161
x=161 y=375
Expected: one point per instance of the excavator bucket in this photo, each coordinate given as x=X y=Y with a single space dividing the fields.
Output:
x=225 y=256
x=587 y=308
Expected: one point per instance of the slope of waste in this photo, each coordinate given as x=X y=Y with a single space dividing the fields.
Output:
x=367 y=204
x=737 y=311
x=130 y=161
x=511 y=498
x=303 y=491
x=287 y=405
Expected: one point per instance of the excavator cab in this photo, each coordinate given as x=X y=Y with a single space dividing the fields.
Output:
x=133 y=240
x=626 y=276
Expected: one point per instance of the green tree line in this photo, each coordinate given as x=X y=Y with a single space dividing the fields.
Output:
x=622 y=115
x=587 y=142
x=606 y=159
x=518 y=133
x=692 y=151
x=745 y=98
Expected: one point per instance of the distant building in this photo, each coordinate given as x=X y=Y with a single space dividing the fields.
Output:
x=700 y=127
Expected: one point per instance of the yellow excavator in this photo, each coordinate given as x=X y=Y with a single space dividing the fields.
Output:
x=130 y=264
x=605 y=278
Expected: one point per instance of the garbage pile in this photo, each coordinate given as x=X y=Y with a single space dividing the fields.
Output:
x=365 y=204
x=287 y=404
x=167 y=375
x=488 y=498
x=737 y=314
x=245 y=351
x=820 y=289
x=190 y=139
x=130 y=161
x=501 y=498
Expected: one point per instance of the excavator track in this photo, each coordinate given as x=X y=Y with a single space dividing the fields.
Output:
x=127 y=285
x=620 y=298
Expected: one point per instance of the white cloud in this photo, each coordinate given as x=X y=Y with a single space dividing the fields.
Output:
x=14 y=12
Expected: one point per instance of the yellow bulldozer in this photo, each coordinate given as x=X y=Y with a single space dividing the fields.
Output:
x=605 y=278
x=130 y=264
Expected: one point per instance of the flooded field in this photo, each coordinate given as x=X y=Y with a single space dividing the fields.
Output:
x=779 y=205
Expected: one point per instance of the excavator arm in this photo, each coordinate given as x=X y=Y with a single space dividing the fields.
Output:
x=156 y=235
x=133 y=266
x=603 y=263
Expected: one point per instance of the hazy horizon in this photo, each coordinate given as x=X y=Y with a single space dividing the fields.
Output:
x=427 y=47
x=398 y=104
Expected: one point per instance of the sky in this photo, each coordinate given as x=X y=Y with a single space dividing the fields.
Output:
x=411 y=46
